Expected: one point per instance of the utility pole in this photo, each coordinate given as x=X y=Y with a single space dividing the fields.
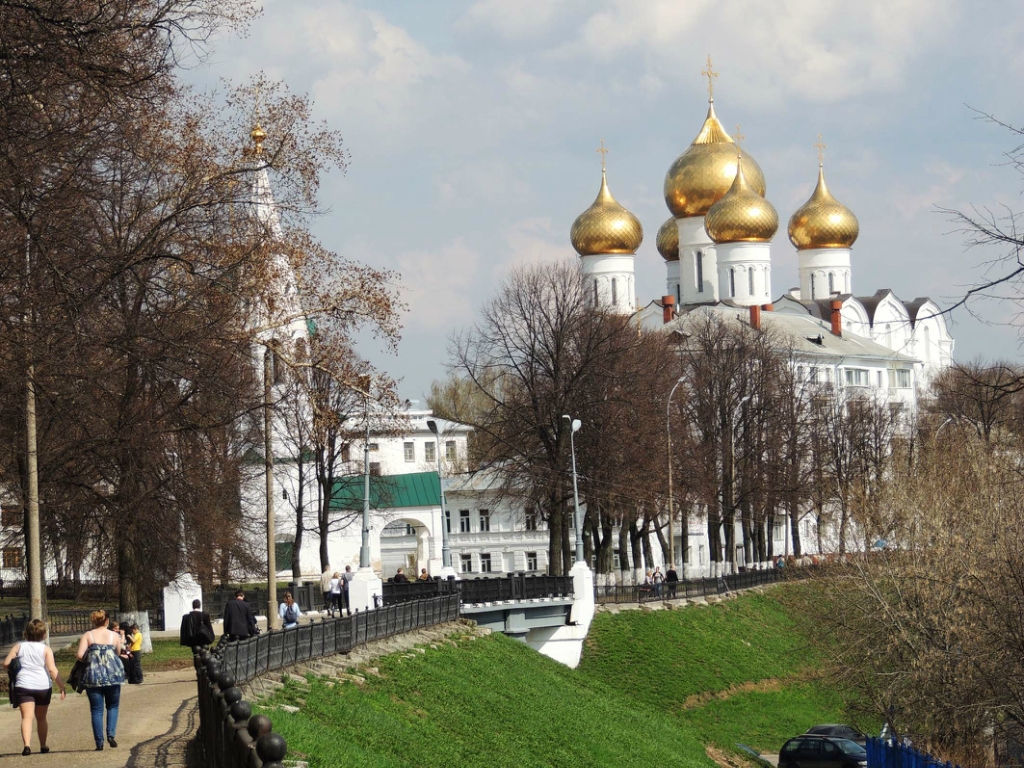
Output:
x=268 y=449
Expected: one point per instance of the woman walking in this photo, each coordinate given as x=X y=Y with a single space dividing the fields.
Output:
x=33 y=686
x=103 y=676
x=335 y=595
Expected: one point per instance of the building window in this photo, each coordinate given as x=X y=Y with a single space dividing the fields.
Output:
x=750 y=280
x=857 y=377
x=831 y=283
x=448 y=520
x=12 y=557
x=898 y=379
x=374 y=447
x=779 y=529
x=700 y=272
x=467 y=563
x=879 y=377
x=531 y=521
x=375 y=468
x=485 y=562
x=615 y=292
x=732 y=282
x=11 y=517
x=409 y=530
x=616 y=560
x=688 y=556
x=464 y=521
x=531 y=561
x=485 y=520
x=812 y=287
x=595 y=293
x=410 y=451
x=430 y=452
x=449 y=450
x=345 y=453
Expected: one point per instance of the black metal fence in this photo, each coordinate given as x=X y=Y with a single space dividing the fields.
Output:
x=73 y=621
x=280 y=648
x=230 y=735
x=686 y=590
x=12 y=628
x=516 y=586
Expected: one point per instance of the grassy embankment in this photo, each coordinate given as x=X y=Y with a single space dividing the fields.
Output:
x=653 y=688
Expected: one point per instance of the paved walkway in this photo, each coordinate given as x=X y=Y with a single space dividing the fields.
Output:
x=156 y=721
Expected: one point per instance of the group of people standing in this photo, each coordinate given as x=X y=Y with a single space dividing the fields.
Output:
x=335 y=586
x=656 y=581
x=108 y=656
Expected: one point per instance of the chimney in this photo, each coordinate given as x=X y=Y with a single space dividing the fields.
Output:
x=767 y=307
x=668 y=310
x=755 y=317
x=837 y=317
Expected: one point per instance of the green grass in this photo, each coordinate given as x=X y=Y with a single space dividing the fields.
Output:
x=653 y=688
x=490 y=702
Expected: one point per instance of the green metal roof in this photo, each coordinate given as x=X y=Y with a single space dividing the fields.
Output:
x=418 y=489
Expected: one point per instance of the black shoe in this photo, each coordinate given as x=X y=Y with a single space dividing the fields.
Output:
x=26 y=751
x=99 y=748
x=111 y=742
x=43 y=750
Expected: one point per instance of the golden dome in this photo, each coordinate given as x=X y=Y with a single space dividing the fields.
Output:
x=258 y=135
x=606 y=227
x=742 y=215
x=823 y=222
x=668 y=240
x=704 y=172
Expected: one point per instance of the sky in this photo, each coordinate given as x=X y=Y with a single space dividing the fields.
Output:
x=472 y=128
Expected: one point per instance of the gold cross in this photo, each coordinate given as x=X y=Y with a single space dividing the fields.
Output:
x=604 y=151
x=738 y=137
x=820 y=145
x=710 y=74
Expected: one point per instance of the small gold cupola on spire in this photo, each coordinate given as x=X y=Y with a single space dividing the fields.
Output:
x=704 y=172
x=605 y=227
x=823 y=222
x=742 y=215
x=258 y=135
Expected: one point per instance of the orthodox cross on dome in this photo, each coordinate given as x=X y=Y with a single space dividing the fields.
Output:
x=710 y=74
x=820 y=146
x=738 y=137
x=603 y=150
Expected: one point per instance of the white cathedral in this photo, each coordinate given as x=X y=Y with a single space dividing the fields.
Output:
x=717 y=247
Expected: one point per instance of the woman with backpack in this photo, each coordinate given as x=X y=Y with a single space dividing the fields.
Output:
x=32 y=682
x=289 y=612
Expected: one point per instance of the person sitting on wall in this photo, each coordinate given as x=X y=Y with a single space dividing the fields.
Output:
x=400 y=577
x=289 y=611
x=424 y=576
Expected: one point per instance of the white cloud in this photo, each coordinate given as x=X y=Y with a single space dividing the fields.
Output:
x=534 y=241
x=516 y=19
x=438 y=285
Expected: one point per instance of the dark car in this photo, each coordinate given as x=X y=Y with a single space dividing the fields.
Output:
x=810 y=751
x=838 y=731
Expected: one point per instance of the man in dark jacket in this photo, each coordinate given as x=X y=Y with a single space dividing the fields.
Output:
x=239 y=620
x=196 y=627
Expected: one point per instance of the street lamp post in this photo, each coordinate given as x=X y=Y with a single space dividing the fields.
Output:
x=447 y=570
x=268 y=450
x=668 y=431
x=578 y=523
x=365 y=589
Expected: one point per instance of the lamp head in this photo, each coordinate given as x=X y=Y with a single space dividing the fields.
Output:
x=576 y=423
x=432 y=426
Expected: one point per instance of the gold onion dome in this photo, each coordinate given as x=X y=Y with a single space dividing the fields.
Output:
x=705 y=171
x=606 y=227
x=742 y=215
x=258 y=135
x=823 y=222
x=668 y=240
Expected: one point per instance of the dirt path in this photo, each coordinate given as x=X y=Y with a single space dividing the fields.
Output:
x=156 y=720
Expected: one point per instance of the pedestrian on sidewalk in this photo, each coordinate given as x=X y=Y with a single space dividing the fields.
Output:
x=335 y=594
x=239 y=620
x=33 y=686
x=325 y=586
x=103 y=677
x=133 y=670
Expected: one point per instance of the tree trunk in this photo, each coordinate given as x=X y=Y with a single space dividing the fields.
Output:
x=607 y=559
x=624 y=569
x=635 y=551
x=556 y=527
x=645 y=538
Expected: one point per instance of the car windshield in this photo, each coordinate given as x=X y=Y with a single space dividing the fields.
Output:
x=849 y=747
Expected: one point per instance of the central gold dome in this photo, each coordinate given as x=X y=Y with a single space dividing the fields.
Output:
x=823 y=222
x=668 y=240
x=705 y=171
x=742 y=215
x=606 y=227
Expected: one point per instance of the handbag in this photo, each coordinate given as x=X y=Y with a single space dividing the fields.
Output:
x=75 y=676
x=12 y=677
